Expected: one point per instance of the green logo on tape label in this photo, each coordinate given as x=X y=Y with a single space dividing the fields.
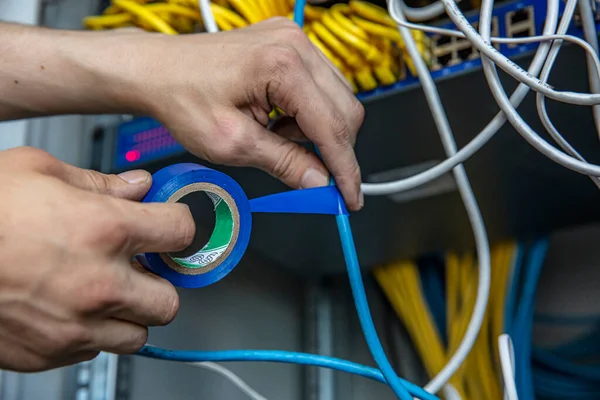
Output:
x=219 y=240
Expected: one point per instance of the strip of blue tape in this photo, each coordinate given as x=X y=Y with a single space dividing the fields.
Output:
x=323 y=200
x=167 y=181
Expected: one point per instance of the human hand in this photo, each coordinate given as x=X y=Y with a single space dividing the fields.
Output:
x=67 y=287
x=215 y=91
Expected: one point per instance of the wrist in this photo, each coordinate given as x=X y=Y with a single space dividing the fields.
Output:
x=109 y=80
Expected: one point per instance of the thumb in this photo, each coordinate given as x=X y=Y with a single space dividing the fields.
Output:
x=130 y=185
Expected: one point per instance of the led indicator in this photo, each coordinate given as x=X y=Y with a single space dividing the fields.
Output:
x=132 y=155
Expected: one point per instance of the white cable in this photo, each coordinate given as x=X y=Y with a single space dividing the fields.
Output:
x=509 y=66
x=593 y=71
x=207 y=16
x=591 y=35
x=450 y=392
x=429 y=11
x=507 y=364
x=523 y=128
x=479 y=141
x=520 y=40
x=233 y=378
x=464 y=188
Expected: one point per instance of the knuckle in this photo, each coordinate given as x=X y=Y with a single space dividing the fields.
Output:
x=341 y=131
x=38 y=159
x=102 y=294
x=284 y=166
x=172 y=305
x=283 y=59
x=106 y=229
x=233 y=141
x=98 y=182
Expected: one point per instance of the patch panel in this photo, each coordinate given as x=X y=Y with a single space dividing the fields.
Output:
x=520 y=23
x=448 y=51
x=144 y=140
x=453 y=56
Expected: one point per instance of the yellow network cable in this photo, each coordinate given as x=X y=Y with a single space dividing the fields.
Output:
x=479 y=377
x=246 y=10
x=401 y=284
x=358 y=37
x=368 y=51
x=342 y=14
x=335 y=60
x=312 y=13
x=225 y=15
x=145 y=14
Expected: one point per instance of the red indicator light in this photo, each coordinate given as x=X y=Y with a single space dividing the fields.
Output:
x=132 y=155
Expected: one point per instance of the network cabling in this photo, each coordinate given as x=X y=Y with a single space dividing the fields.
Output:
x=376 y=48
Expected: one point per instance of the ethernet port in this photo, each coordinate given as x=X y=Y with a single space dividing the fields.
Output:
x=443 y=40
x=445 y=59
x=520 y=16
x=465 y=54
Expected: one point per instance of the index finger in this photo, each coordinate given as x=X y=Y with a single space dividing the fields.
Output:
x=297 y=93
x=156 y=227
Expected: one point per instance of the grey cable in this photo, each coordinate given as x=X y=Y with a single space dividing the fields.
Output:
x=593 y=72
x=424 y=13
x=522 y=127
x=474 y=145
x=484 y=46
x=591 y=35
x=464 y=188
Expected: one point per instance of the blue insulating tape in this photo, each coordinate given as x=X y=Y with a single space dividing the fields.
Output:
x=167 y=181
x=321 y=200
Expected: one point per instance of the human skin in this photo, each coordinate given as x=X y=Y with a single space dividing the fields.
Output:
x=67 y=235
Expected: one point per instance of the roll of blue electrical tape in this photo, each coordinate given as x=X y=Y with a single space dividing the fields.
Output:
x=229 y=239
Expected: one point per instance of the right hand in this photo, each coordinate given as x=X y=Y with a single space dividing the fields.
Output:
x=67 y=287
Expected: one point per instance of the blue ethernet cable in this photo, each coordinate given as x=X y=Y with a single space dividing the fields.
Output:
x=288 y=357
x=363 y=311
x=299 y=12
x=356 y=282
x=522 y=328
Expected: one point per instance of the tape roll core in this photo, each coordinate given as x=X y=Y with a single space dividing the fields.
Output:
x=172 y=184
x=223 y=238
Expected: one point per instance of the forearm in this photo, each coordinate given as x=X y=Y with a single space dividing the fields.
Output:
x=50 y=72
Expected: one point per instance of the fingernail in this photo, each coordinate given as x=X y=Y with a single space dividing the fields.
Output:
x=361 y=200
x=313 y=178
x=135 y=176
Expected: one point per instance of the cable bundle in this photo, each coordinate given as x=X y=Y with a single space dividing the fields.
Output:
x=436 y=316
x=569 y=371
x=359 y=38
x=183 y=16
